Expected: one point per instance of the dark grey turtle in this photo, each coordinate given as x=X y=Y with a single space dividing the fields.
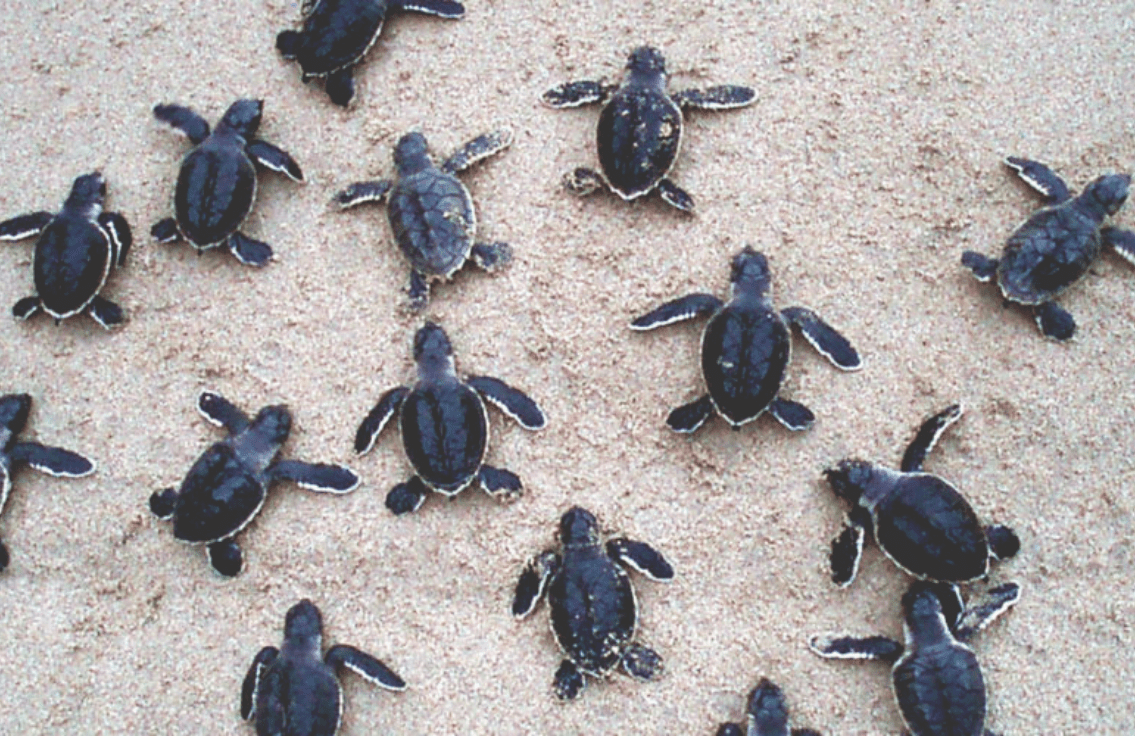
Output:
x=593 y=606
x=226 y=487
x=640 y=127
x=936 y=677
x=445 y=426
x=431 y=212
x=746 y=347
x=295 y=689
x=216 y=186
x=14 y=410
x=920 y=521
x=767 y=715
x=74 y=255
x=337 y=34
x=1057 y=245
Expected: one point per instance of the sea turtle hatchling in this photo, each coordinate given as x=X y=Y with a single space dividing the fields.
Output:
x=226 y=487
x=337 y=34
x=920 y=521
x=1057 y=245
x=640 y=127
x=592 y=602
x=216 y=186
x=295 y=689
x=14 y=410
x=445 y=427
x=745 y=349
x=767 y=715
x=77 y=249
x=431 y=212
x=936 y=678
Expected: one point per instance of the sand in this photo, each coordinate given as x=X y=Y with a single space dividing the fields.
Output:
x=869 y=163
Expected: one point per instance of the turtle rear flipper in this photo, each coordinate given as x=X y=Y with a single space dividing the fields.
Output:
x=792 y=414
x=927 y=437
x=582 y=181
x=569 y=681
x=1003 y=542
x=195 y=127
x=501 y=484
x=165 y=231
x=641 y=557
x=827 y=341
x=688 y=417
x=723 y=97
x=675 y=196
x=532 y=582
x=440 y=8
x=4 y=558
x=340 y=86
x=164 y=503
x=678 y=310
x=321 y=477
x=513 y=402
x=477 y=150
x=27 y=307
x=984 y=268
x=642 y=663
x=491 y=256
x=251 y=684
x=288 y=42
x=275 y=159
x=1041 y=178
x=225 y=557
x=850 y=647
x=407 y=497
x=106 y=313
x=730 y=729
x=52 y=460
x=1055 y=322
x=574 y=94
x=120 y=234
x=25 y=226
x=365 y=666
x=248 y=251
x=364 y=191
x=378 y=417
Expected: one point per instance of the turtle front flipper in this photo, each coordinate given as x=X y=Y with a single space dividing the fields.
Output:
x=827 y=341
x=723 y=97
x=106 y=313
x=641 y=557
x=365 y=666
x=121 y=237
x=27 y=307
x=675 y=196
x=979 y=614
x=249 y=251
x=220 y=412
x=984 y=268
x=25 y=226
x=688 y=417
x=1041 y=178
x=847 y=548
x=195 y=127
x=574 y=94
x=52 y=460
x=678 y=310
x=364 y=191
x=225 y=557
x=440 y=8
x=251 y=684
x=275 y=159
x=407 y=497
x=513 y=402
x=378 y=417
x=927 y=437
x=1003 y=542
x=1055 y=322
x=569 y=681
x=792 y=414
x=642 y=663
x=1122 y=241
x=491 y=256
x=851 y=647
x=582 y=182
x=340 y=86
x=501 y=484
x=321 y=477
x=478 y=149
x=165 y=231
x=532 y=582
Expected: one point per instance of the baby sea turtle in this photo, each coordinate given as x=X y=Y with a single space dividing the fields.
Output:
x=445 y=426
x=226 y=487
x=746 y=347
x=14 y=410
x=431 y=212
x=919 y=520
x=936 y=677
x=77 y=249
x=294 y=690
x=1057 y=245
x=337 y=34
x=594 y=612
x=767 y=715
x=216 y=186
x=640 y=127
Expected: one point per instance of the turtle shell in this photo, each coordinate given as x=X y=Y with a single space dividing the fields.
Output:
x=638 y=138
x=215 y=190
x=217 y=498
x=71 y=264
x=593 y=608
x=1051 y=251
x=338 y=33
x=744 y=353
x=940 y=691
x=930 y=530
x=445 y=431
x=432 y=216
x=306 y=692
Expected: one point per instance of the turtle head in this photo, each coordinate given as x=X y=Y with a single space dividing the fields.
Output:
x=14 y=410
x=849 y=479
x=1107 y=193
x=751 y=274
x=411 y=154
x=767 y=708
x=578 y=527
x=243 y=117
x=272 y=425
x=432 y=350
x=304 y=623
x=646 y=65
x=927 y=606
x=87 y=194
